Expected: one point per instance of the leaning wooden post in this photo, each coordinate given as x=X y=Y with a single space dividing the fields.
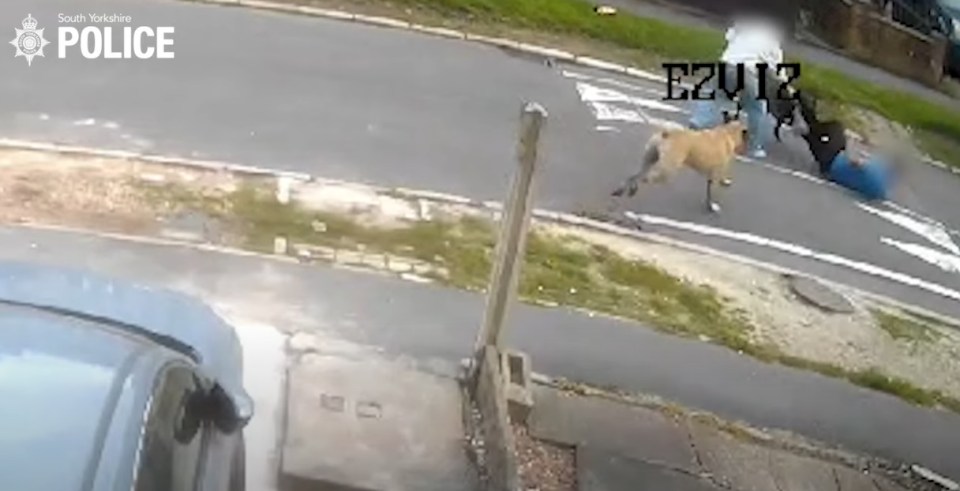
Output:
x=514 y=224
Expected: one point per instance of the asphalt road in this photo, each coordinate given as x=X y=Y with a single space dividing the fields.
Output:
x=364 y=314
x=401 y=109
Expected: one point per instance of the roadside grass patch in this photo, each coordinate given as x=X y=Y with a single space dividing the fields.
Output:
x=905 y=327
x=558 y=270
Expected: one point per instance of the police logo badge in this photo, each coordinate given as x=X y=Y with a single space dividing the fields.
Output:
x=29 y=41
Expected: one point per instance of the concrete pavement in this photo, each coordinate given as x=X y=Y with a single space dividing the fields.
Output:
x=433 y=328
x=371 y=423
x=397 y=108
x=624 y=447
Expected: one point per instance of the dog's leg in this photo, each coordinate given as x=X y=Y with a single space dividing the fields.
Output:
x=725 y=179
x=712 y=205
x=629 y=187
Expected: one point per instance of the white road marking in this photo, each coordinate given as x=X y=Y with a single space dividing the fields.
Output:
x=603 y=103
x=593 y=93
x=613 y=82
x=932 y=231
x=613 y=129
x=943 y=260
x=921 y=217
x=111 y=125
x=608 y=112
x=589 y=92
x=665 y=123
x=806 y=176
x=85 y=122
x=801 y=251
x=44 y=117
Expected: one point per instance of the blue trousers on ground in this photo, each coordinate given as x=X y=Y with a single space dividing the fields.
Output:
x=708 y=114
x=872 y=179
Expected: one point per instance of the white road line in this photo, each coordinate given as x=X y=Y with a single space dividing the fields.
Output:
x=801 y=251
x=613 y=82
x=943 y=260
x=790 y=172
x=919 y=216
x=814 y=179
x=932 y=231
x=608 y=112
x=592 y=94
x=665 y=123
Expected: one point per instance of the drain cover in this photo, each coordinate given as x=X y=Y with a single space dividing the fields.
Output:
x=820 y=295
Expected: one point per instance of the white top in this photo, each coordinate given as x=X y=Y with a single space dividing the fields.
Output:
x=752 y=41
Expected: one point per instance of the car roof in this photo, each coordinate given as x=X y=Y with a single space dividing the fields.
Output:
x=61 y=381
x=168 y=314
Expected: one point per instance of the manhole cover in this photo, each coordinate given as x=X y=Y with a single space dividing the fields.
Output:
x=820 y=295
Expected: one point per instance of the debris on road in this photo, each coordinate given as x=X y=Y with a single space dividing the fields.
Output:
x=605 y=10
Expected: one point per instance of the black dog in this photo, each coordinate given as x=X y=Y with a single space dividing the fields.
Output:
x=826 y=139
x=782 y=106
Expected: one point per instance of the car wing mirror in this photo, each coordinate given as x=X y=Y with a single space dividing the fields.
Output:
x=943 y=24
x=231 y=410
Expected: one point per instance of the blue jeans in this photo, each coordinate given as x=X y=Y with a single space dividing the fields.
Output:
x=707 y=114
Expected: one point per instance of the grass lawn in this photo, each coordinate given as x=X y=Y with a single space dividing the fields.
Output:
x=906 y=327
x=646 y=42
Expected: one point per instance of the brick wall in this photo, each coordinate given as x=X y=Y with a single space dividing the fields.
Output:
x=865 y=34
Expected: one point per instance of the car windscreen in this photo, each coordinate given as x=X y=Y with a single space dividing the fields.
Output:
x=56 y=384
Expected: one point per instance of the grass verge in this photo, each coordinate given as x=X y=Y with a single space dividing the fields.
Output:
x=646 y=42
x=558 y=270
x=904 y=327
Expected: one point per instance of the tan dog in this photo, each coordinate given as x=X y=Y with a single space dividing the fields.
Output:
x=709 y=152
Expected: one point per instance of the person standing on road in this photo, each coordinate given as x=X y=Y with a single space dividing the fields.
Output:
x=750 y=41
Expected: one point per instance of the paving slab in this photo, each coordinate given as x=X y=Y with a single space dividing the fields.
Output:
x=739 y=465
x=884 y=484
x=598 y=470
x=635 y=432
x=797 y=473
x=372 y=424
x=851 y=480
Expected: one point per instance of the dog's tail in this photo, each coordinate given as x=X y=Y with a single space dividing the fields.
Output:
x=651 y=154
x=652 y=151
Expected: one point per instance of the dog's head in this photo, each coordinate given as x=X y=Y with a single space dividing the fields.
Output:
x=737 y=133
